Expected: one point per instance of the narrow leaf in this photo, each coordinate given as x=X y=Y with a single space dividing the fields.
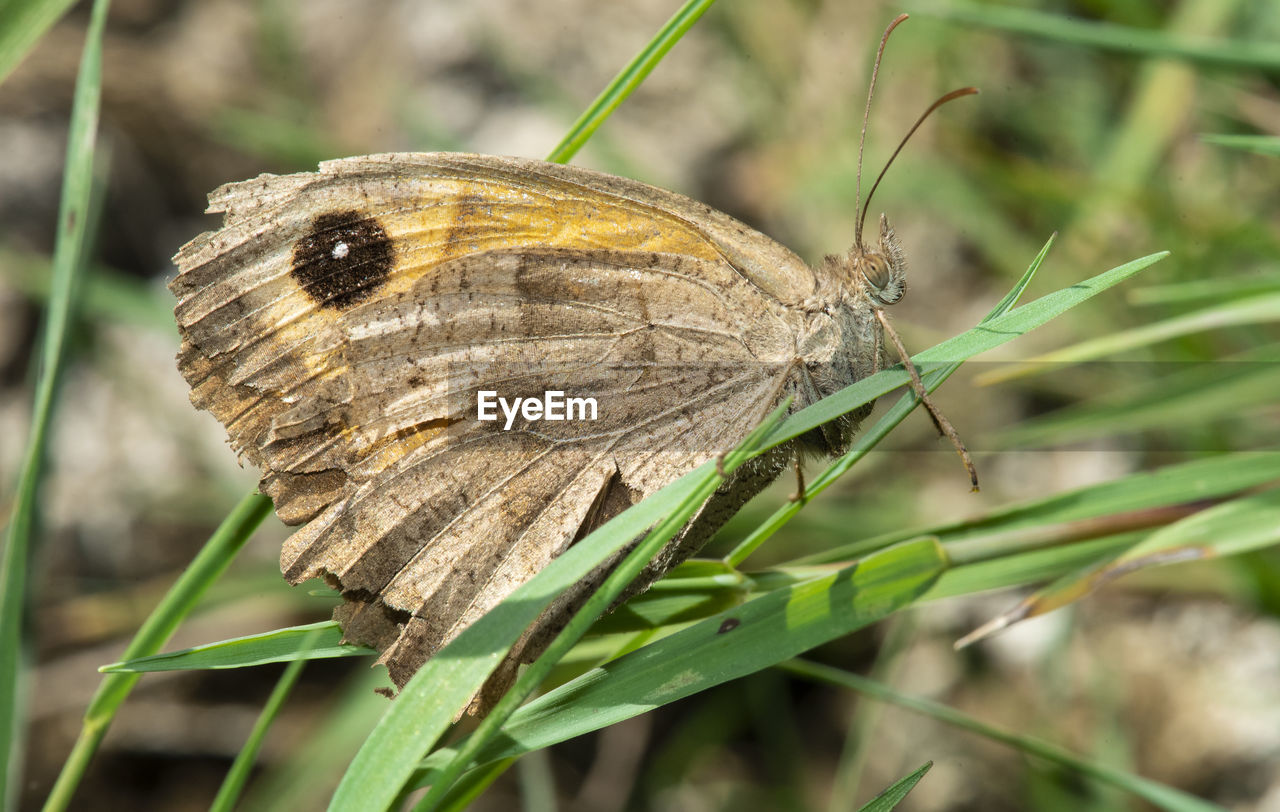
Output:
x=743 y=640
x=1244 y=524
x=29 y=20
x=893 y=795
x=1162 y=796
x=1140 y=42
x=314 y=641
x=1253 y=310
x=628 y=79
x=1261 y=144
x=22 y=24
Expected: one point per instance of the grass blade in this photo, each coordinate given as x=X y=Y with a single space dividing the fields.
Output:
x=1202 y=290
x=1261 y=309
x=306 y=777
x=314 y=641
x=229 y=793
x=1162 y=796
x=743 y=640
x=1261 y=144
x=978 y=539
x=1226 y=388
x=73 y=215
x=208 y=564
x=1240 y=525
x=605 y=596
x=447 y=682
x=105 y=295
x=985 y=336
x=1259 y=55
x=893 y=795
x=22 y=24
x=628 y=80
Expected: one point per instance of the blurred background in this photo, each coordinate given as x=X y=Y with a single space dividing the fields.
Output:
x=1171 y=673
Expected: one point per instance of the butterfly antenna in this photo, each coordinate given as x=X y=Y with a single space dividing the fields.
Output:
x=866 y=114
x=953 y=95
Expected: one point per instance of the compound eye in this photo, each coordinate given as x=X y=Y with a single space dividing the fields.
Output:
x=876 y=271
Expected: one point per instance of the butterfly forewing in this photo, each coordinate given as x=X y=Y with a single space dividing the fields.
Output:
x=343 y=325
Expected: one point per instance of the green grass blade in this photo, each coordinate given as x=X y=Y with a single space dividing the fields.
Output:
x=744 y=640
x=1222 y=390
x=628 y=80
x=1261 y=144
x=1160 y=795
x=1240 y=525
x=73 y=215
x=1263 y=309
x=893 y=795
x=233 y=785
x=105 y=295
x=605 y=596
x=981 y=338
x=1259 y=55
x=1020 y=568
x=446 y=683
x=1074 y=514
x=1200 y=290
x=306 y=777
x=935 y=364
x=474 y=783
x=314 y=641
x=22 y=24
x=208 y=564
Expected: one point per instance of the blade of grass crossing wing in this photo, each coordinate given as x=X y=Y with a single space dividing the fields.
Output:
x=746 y=639
x=604 y=597
x=447 y=682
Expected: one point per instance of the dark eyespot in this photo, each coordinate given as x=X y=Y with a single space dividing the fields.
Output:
x=343 y=260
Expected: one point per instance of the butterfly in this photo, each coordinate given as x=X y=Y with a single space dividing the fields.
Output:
x=347 y=326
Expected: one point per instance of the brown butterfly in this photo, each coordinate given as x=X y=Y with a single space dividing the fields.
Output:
x=347 y=327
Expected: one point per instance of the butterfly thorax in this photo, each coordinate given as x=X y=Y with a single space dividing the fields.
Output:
x=844 y=340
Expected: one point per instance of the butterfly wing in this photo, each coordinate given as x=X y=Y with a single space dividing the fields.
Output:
x=343 y=324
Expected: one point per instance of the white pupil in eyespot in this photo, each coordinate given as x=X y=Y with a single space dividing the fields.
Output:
x=341 y=250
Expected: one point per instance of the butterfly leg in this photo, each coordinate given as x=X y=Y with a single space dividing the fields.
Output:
x=799 y=495
x=940 y=422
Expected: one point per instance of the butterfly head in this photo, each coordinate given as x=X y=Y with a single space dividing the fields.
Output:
x=881 y=270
